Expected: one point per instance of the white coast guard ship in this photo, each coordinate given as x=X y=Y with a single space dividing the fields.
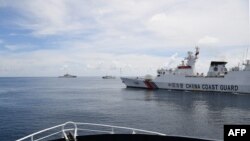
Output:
x=184 y=77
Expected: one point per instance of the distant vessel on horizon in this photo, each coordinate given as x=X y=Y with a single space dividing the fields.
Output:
x=68 y=76
x=108 y=77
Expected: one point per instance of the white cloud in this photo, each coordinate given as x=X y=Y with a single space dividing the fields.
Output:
x=190 y=21
x=57 y=62
x=174 y=21
x=96 y=37
x=208 y=40
x=11 y=47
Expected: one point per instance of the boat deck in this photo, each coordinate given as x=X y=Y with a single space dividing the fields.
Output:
x=76 y=131
x=131 y=137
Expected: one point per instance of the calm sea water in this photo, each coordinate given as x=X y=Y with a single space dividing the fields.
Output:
x=31 y=104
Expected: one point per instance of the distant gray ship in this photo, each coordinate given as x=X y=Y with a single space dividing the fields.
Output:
x=108 y=77
x=68 y=76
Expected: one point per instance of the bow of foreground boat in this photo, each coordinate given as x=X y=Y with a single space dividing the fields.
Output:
x=76 y=131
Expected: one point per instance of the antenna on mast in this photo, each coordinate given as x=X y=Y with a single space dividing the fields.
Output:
x=243 y=58
x=196 y=52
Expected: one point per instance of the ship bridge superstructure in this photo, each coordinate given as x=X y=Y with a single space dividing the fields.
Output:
x=217 y=68
x=187 y=66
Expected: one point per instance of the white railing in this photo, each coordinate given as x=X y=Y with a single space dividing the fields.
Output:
x=62 y=131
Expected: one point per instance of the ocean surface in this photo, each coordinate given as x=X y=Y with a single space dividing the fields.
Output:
x=31 y=104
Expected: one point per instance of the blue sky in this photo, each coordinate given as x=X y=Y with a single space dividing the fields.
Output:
x=95 y=38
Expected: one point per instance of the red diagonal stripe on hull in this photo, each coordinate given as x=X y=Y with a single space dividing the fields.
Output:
x=148 y=84
x=154 y=85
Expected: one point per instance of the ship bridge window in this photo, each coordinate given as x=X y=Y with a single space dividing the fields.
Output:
x=215 y=69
